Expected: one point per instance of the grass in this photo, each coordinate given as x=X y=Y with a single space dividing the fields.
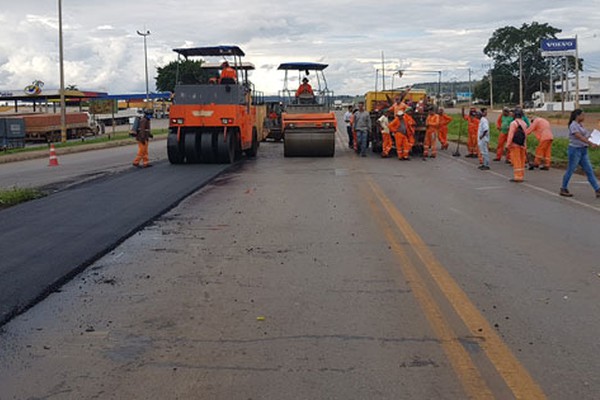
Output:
x=106 y=138
x=559 y=145
x=14 y=196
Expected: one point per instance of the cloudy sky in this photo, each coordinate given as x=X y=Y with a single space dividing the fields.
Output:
x=103 y=52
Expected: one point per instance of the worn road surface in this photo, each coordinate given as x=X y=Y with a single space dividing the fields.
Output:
x=332 y=278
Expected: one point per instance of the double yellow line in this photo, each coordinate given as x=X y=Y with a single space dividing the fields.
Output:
x=516 y=377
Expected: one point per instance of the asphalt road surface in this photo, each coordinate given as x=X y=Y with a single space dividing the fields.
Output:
x=330 y=278
x=45 y=241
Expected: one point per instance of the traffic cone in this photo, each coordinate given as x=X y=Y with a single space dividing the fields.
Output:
x=53 y=159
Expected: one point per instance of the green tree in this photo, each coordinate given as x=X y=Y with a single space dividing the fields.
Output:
x=190 y=72
x=506 y=46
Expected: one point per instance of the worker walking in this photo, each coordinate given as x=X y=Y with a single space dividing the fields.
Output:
x=472 y=128
x=445 y=120
x=143 y=136
x=517 y=145
x=362 y=126
x=432 y=128
x=483 y=141
x=384 y=123
x=400 y=129
x=543 y=152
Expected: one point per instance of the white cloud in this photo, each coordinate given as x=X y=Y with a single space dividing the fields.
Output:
x=103 y=52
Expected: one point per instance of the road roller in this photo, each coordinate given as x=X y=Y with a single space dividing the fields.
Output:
x=215 y=118
x=308 y=125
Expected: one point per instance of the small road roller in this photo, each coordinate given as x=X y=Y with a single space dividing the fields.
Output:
x=215 y=120
x=308 y=125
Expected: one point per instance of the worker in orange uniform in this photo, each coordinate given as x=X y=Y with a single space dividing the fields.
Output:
x=143 y=136
x=399 y=128
x=228 y=75
x=445 y=120
x=517 y=145
x=502 y=123
x=304 y=88
x=473 y=128
x=540 y=127
x=433 y=126
x=384 y=124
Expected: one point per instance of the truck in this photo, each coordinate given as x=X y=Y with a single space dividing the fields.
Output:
x=46 y=127
x=12 y=133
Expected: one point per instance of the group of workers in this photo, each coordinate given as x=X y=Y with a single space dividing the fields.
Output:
x=398 y=126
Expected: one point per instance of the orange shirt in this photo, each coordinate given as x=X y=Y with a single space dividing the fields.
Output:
x=228 y=72
x=512 y=130
x=473 y=124
x=541 y=129
x=304 y=88
x=433 y=123
x=410 y=124
x=445 y=120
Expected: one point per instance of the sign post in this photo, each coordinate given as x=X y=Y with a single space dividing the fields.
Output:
x=563 y=48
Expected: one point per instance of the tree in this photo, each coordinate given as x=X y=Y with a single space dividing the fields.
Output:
x=507 y=45
x=190 y=72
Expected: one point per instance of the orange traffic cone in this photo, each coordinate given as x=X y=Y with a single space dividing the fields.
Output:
x=53 y=159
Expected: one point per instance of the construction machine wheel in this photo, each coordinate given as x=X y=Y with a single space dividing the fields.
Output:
x=191 y=145
x=174 y=150
x=309 y=144
x=208 y=147
x=225 y=148
x=253 y=150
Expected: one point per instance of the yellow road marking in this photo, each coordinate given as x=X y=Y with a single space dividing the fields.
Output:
x=514 y=374
x=468 y=374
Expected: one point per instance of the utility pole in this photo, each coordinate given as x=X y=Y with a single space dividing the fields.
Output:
x=491 y=92
x=562 y=86
x=550 y=59
x=521 y=78
x=383 y=71
x=470 y=90
x=63 y=110
x=576 y=72
x=144 y=34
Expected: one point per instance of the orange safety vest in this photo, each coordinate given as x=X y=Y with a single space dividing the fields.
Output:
x=304 y=88
x=228 y=73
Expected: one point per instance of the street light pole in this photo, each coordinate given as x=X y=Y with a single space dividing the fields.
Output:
x=63 y=111
x=144 y=34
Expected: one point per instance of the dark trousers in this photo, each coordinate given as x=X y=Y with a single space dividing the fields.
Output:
x=350 y=136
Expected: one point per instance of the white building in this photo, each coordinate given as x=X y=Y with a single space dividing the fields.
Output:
x=589 y=93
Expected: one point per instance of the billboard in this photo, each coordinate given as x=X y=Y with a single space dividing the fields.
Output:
x=558 y=47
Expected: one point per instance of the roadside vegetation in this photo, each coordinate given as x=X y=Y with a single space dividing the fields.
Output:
x=13 y=196
x=559 y=145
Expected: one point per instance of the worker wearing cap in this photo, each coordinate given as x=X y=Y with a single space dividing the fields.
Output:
x=384 y=123
x=399 y=128
x=503 y=123
x=445 y=120
x=472 y=129
x=540 y=127
x=304 y=88
x=518 y=153
x=433 y=126
x=143 y=136
x=228 y=74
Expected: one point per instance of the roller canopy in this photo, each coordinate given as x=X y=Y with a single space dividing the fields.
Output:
x=210 y=51
x=301 y=66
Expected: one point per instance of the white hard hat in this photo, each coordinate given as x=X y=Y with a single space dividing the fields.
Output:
x=400 y=113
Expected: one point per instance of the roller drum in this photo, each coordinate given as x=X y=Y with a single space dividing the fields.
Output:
x=307 y=143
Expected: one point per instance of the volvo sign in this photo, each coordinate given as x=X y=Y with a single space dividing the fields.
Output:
x=559 y=47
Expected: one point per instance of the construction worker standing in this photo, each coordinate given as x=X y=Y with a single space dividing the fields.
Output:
x=348 y=121
x=445 y=120
x=483 y=140
x=503 y=123
x=228 y=75
x=543 y=152
x=433 y=127
x=143 y=136
x=384 y=123
x=517 y=145
x=473 y=126
x=400 y=129
x=362 y=126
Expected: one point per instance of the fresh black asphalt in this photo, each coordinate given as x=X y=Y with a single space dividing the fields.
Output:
x=45 y=242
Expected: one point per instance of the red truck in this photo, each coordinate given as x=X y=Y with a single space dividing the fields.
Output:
x=46 y=127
